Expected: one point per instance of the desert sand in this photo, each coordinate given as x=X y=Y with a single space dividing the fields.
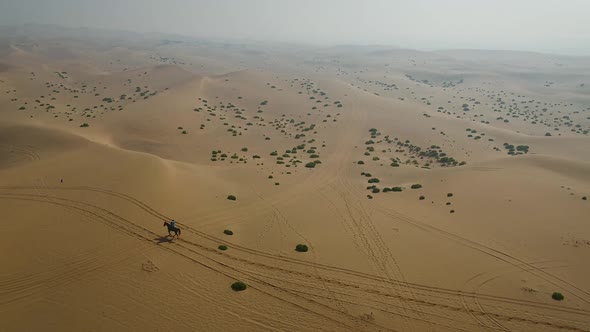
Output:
x=435 y=191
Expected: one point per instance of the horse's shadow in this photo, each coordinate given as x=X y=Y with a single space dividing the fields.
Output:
x=163 y=239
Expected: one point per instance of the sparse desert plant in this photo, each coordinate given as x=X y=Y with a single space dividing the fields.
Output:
x=557 y=296
x=245 y=149
x=228 y=232
x=84 y=125
x=584 y=198
x=231 y=197
x=373 y=180
x=239 y=286
x=375 y=190
x=449 y=194
x=222 y=247
x=301 y=248
x=396 y=189
x=184 y=132
x=422 y=198
x=386 y=189
x=310 y=165
x=416 y=186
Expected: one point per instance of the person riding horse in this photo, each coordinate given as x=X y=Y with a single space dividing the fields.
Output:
x=172 y=228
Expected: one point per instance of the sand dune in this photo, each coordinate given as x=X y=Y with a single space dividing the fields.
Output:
x=435 y=191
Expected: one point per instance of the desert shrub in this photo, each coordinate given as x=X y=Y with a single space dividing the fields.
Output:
x=557 y=296
x=360 y=162
x=375 y=190
x=422 y=198
x=231 y=197
x=256 y=156
x=452 y=211
x=84 y=125
x=394 y=165
x=301 y=248
x=396 y=189
x=314 y=156
x=310 y=165
x=238 y=286
x=386 y=190
x=375 y=158
x=373 y=180
x=449 y=194
x=416 y=186
x=184 y=132
x=228 y=232
x=245 y=149
x=274 y=153
x=222 y=247
x=584 y=198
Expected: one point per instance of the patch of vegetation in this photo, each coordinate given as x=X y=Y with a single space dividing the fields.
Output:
x=222 y=247
x=84 y=125
x=373 y=180
x=239 y=286
x=310 y=165
x=416 y=186
x=422 y=198
x=557 y=296
x=232 y=197
x=301 y=248
x=397 y=189
x=228 y=232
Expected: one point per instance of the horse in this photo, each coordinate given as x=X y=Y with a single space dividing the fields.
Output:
x=171 y=229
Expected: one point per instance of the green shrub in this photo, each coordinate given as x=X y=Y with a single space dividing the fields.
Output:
x=386 y=190
x=238 y=286
x=422 y=198
x=228 y=232
x=375 y=190
x=557 y=296
x=222 y=247
x=416 y=186
x=274 y=153
x=360 y=162
x=397 y=189
x=310 y=165
x=301 y=248
x=449 y=194
x=184 y=132
x=84 y=125
x=231 y=197
x=245 y=149
x=373 y=180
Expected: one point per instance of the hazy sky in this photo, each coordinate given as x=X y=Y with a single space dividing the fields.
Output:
x=560 y=26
